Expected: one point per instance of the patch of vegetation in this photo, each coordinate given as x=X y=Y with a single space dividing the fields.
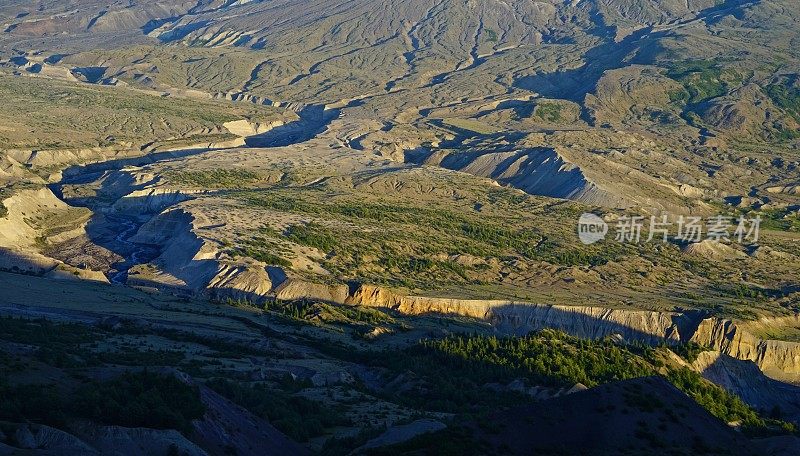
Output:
x=224 y=348
x=78 y=115
x=264 y=249
x=724 y=405
x=313 y=235
x=215 y=178
x=41 y=332
x=407 y=242
x=362 y=319
x=491 y=35
x=364 y=315
x=548 y=112
x=780 y=220
x=415 y=266
x=786 y=98
x=142 y=399
x=70 y=345
x=777 y=219
x=702 y=81
x=298 y=417
x=61 y=345
x=548 y=358
x=688 y=351
x=784 y=134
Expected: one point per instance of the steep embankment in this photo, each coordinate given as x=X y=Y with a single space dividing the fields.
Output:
x=744 y=379
x=563 y=172
x=191 y=258
x=777 y=359
x=188 y=261
x=34 y=217
x=539 y=171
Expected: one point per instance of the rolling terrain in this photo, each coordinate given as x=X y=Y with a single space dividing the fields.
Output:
x=263 y=200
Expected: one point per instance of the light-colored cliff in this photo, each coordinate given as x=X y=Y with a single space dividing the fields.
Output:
x=16 y=228
x=521 y=318
x=241 y=282
x=777 y=359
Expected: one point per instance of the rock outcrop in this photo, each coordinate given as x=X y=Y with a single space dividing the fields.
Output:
x=241 y=282
x=186 y=261
x=20 y=235
x=521 y=318
x=293 y=289
x=712 y=249
x=150 y=200
x=777 y=359
x=244 y=128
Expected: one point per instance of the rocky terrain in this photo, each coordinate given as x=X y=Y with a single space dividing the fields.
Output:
x=322 y=182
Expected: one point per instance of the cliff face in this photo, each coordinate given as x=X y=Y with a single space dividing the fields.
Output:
x=747 y=381
x=594 y=322
x=518 y=318
x=32 y=215
x=151 y=200
x=777 y=359
x=539 y=171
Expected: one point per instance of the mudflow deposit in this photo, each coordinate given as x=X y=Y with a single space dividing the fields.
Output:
x=296 y=227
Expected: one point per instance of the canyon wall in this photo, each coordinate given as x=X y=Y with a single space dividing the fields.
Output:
x=779 y=360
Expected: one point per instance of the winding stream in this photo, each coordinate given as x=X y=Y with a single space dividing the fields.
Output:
x=139 y=253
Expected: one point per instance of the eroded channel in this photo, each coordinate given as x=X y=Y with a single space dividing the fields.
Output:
x=114 y=228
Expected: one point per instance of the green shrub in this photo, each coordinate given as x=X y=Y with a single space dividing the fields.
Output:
x=214 y=178
x=298 y=417
x=702 y=80
x=453 y=371
x=313 y=235
x=143 y=399
x=786 y=98
x=549 y=112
